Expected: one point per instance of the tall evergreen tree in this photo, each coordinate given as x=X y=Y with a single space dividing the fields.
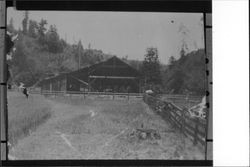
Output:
x=172 y=61
x=33 y=28
x=187 y=74
x=79 y=53
x=25 y=22
x=151 y=67
x=182 y=52
x=53 y=40
x=41 y=30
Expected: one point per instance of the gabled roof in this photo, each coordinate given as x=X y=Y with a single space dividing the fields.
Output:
x=111 y=67
x=114 y=67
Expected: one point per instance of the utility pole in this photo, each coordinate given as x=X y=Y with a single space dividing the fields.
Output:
x=79 y=48
x=79 y=59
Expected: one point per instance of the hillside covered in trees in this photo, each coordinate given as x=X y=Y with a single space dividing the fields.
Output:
x=186 y=75
x=40 y=52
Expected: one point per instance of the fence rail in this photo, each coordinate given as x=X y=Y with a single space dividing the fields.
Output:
x=85 y=94
x=193 y=128
x=181 y=96
x=182 y=101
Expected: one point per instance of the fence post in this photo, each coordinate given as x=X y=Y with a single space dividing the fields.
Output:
x=165 y=110
x=181 y=121
x=196 y=131
x=155 y=104
x=183 y=126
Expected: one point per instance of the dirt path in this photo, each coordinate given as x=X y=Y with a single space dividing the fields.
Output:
x=89 y=132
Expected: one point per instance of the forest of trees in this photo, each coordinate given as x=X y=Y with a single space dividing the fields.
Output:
x=40 y=52
x=187 y=75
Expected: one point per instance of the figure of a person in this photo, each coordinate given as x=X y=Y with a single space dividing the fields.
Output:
x=25 y=92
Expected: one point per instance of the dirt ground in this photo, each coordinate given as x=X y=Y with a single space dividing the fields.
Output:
x=104 y=129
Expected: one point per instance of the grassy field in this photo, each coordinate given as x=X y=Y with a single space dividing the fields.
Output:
x=121 y=118
x=25 y=115
x=94 y=129
x=110 y=117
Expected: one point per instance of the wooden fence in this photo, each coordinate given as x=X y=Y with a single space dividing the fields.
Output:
x=82 y=94
x=183 y=101
x=193 y=128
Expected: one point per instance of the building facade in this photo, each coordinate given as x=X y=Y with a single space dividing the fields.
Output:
x=112 y=75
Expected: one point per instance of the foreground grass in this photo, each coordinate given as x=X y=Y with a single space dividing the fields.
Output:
x=109 y=133
x=25 y=115
x=110 y=117
x=103 y=129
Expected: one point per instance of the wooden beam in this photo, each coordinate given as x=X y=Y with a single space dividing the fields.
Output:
x=111 y=77
x=109 y=66
x=80 y=80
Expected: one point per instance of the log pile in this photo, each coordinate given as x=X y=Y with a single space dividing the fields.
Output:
x=145 y=134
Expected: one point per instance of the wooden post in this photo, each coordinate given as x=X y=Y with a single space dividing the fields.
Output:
x=84 y=94
x=164 y=112
x=183 y=125
x=88 y=84
x=169 y=113
x=155 y=104
x=187 y=101
x=196 y=131
x=182 y=121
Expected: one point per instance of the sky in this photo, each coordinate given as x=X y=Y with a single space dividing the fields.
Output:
x=124 y=33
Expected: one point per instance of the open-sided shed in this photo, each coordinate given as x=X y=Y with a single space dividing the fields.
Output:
x=112 y=75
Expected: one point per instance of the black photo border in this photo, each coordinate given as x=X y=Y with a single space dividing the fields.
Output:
x=187 y=6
